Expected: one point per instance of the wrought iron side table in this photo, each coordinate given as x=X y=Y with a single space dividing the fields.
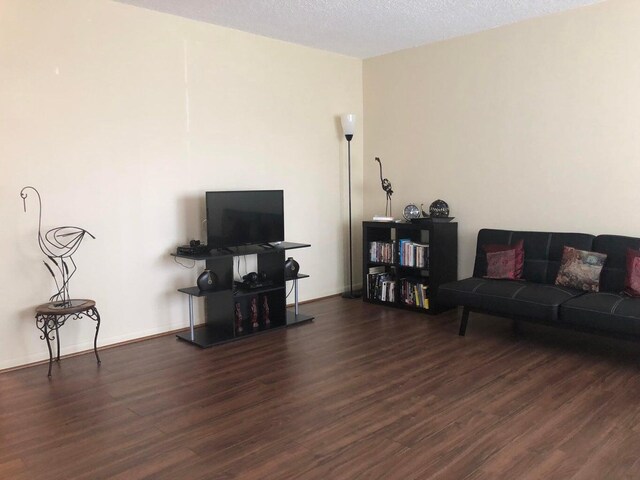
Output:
x=51 y=316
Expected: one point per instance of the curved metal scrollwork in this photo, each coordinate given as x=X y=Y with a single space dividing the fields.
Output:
x=49 y=325
x=92 y=313
x=388 y=190
x=58 y=245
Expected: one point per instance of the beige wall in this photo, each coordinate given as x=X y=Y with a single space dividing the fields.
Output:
x=123 y=118
x=531 y=126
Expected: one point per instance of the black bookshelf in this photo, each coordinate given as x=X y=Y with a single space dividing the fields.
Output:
x=408 y=277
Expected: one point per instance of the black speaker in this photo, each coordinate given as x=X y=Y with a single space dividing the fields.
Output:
x=207 y=281
x=291 y=268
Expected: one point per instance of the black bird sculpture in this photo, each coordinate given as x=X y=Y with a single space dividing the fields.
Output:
x=58 y=244
x=386 y=186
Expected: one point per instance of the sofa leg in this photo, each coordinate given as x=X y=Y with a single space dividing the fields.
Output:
x=463 y=321
x=516 y=327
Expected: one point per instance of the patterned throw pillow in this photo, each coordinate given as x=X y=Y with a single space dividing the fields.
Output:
x=580 y=269
x=632 y=280
x=510 y=265
x=501 y=265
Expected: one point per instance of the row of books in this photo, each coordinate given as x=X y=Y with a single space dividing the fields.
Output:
x=381 y=287
x=382 y=252
x=410 y=254
x=413 y=254
x=414 y=292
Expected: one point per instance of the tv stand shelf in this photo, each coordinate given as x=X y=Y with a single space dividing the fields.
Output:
x=221 y=323
x=244 y=250
x=196 y=292
x=242 y=292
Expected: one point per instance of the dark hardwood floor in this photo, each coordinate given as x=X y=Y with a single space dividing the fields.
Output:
x=363 y=392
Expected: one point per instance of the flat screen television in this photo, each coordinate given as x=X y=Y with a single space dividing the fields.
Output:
x=248 y=217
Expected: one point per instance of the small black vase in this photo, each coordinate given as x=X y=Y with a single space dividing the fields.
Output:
x=207 y=281
x=291 y=268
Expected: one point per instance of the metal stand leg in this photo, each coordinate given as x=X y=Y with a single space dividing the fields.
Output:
x=57 y=343
x=191 y=317
x=295 y=289
x=46 y=337
x=95 y=339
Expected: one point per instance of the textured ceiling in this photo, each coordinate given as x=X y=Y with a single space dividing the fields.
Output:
x=360 y=28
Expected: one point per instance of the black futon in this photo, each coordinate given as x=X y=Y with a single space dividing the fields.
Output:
x=536 y=298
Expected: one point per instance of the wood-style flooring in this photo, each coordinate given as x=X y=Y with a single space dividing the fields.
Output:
x=363 y=392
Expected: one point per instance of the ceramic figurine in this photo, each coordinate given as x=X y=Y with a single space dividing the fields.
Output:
x=265 y=312
x=239 y=329
x=254 y=314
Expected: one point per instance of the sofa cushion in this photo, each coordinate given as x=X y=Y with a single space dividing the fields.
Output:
x=610 y=312
x=461 y=292
x=507 y=297
x=524 y=299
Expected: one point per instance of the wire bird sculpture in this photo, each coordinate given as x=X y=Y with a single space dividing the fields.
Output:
x=58 y=244
x=386 y=186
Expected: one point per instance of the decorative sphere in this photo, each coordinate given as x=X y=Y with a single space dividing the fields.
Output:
x=207 y=281
x=439 y=208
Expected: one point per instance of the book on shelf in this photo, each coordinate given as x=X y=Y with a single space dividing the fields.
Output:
x=413 y=254
x=414 y=292
x=377 y=269
x=382 y=252
x=381 y=287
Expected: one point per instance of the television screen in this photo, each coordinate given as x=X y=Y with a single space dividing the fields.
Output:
x=244 y=217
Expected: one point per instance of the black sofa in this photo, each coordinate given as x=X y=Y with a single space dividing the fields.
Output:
x=536 y=298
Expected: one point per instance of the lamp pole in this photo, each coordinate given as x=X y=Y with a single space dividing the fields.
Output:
x=348 y=126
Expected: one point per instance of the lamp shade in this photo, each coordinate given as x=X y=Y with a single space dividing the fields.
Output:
x=348 y=123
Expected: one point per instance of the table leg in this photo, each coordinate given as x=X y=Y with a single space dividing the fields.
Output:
x=50 y=323
x=46 y=337
x=191 y=317
x=57 y=344
x=295 y=288
x=95 y=339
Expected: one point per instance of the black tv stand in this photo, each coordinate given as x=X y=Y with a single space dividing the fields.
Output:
x=224 y=250
x=220 y=305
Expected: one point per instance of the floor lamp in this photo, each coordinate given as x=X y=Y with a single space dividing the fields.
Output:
x=348 y=127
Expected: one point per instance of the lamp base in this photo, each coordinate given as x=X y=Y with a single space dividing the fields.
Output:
x=352 y=294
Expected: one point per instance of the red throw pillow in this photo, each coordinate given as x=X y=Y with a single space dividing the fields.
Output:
x=632 y=280
x=495 y=271
x=501 y=265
